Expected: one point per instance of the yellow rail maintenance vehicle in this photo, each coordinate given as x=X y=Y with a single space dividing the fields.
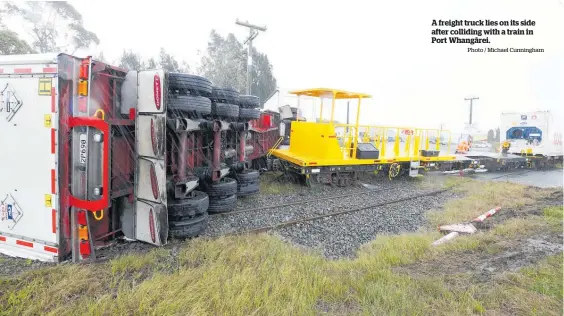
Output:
x=335 y=153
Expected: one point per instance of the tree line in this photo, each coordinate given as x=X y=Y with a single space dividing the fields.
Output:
x=56 y=26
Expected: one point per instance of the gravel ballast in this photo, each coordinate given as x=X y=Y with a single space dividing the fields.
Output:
x=341 y=236
x=255 y=219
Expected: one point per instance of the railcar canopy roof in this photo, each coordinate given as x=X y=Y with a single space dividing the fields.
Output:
x=339 y=94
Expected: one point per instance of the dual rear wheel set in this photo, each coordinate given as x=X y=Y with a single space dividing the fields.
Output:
x=195 y=97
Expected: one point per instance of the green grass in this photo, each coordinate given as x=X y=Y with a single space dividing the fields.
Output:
x=480 y=197
x=262 y=275
x=269 y=185
x=555 y=217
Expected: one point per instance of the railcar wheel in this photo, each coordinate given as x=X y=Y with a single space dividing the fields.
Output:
x=394 y=170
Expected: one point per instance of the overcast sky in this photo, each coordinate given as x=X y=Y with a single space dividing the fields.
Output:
x=381 y=48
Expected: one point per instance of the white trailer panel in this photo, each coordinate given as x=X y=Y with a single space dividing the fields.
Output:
x=150 y=213
x=537 y=131
x=150 y=91
x=29 y=225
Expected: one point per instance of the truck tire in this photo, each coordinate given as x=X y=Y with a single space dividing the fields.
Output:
x=188 y=228
x=223 y=205
x=249 y=114
x=225 y=95
x=224 y=187
x=225 y=110
x=249 y=101
x=248 y=183
x=198 y=203
x=248 y=189
x=248 y=176
x=189 y=104
x=185 y=82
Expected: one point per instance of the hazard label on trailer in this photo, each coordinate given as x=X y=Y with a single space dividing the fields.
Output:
x=48 y=200
x=10 y=212
x=45 y=86
x=47 y=120
x=9 y=102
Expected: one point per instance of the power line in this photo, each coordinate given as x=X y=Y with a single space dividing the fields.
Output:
x=253 y=33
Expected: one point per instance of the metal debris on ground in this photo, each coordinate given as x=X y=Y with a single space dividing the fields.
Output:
x=489 y=213
x=463 y=228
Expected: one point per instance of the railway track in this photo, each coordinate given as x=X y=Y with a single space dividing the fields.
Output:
x=515 y=173
x=287 y=223
x=254 y=209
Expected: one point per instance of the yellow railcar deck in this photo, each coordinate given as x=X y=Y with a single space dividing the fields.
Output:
x=305 y=161
x=332 y=144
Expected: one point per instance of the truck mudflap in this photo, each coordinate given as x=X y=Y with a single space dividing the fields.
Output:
x=151 y=215
x=151 y=222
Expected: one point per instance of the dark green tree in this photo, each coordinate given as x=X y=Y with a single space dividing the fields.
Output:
x=152 y=63
x=134 y=61
x=100 y=57
x=11 y=44
x=225 y=64
x=169 y=63
x=131 y=61
x=263 y=80
x=46 y=21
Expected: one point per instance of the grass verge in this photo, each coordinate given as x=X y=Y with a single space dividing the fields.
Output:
x=261 y=275
x=482 y=196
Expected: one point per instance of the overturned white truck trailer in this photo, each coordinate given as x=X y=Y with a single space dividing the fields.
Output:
x=83 y=160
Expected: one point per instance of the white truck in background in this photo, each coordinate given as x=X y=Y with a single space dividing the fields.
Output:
x=533 y=133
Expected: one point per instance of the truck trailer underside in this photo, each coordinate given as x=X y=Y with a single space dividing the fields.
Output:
x=98 y=152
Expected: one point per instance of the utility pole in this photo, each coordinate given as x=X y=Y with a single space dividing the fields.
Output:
x=253 y=33
x=471 y=104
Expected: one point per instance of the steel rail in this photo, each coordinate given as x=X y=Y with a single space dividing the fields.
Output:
x=298 y=202
x=314 y=218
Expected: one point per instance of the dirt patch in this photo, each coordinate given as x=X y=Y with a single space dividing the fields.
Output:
x=10 y=266
x=509 y=255
x=503 y=254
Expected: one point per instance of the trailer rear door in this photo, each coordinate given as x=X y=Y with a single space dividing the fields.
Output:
x=28 y=133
